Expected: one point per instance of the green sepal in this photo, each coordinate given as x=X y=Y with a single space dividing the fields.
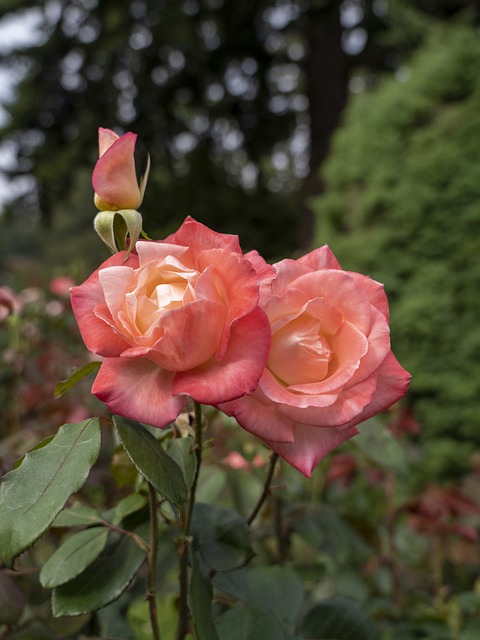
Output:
x=119 y=230
x=144 y=179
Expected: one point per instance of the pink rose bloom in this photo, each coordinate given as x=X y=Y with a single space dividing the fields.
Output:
x=178 y=318
x=114 y=177
x=330 y=366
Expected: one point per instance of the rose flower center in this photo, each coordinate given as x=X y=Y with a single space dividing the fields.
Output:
x=158 y=291
x=300 y=352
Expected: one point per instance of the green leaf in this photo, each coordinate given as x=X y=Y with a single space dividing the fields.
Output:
x=201 y=603
x=242 y=623
x=151 y=460
x=32 y=495
x=222 y=536
x=39 y=445
x=338 y=619
x=180 y=449
x=379 y=445
x=325 y=529
x=73 y=556
x=277 y=589
x=212 y=481
x=128 y=505
x=234 y=583
x=102 y=581
x=64 y=385
x=77 y=515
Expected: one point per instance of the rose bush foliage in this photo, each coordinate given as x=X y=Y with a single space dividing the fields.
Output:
x=330 y=366
x=177 y=318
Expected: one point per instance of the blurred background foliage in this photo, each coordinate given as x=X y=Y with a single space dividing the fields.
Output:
x=237 y=103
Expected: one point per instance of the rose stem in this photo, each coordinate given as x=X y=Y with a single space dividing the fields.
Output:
x=152 y=564
x=185 y=543
x=266 y=488
x=198 y=455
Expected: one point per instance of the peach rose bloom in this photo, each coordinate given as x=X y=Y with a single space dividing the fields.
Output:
x=330 y=365
x=178 y=318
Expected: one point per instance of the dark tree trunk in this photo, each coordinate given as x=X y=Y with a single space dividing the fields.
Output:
x=327 y=90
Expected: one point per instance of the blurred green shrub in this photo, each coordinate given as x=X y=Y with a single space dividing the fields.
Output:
x=402 y=203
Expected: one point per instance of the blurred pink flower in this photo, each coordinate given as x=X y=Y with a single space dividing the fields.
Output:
x=235 y=460
x=438 y=510
x=77 y=414
x=404 y=423
x=343 y=468
x=61 y=285
x=9 y=303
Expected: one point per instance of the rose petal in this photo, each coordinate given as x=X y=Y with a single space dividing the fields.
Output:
x=114 y=178
x=259 y=416
x=392 y=384
x=157 y=251
x=374 y=290
x=116 y=281
x=341 y=291
x=191 y=335
x=138 y=389
x=378 y=348
x=106 y=137
x=347 y=347
x=310 y=446
x=273 y=389
x=287 y=271
x=240 y=369
x=300 y=354
x=348 y=404
x=320 y=258
x=282 y=309
x=237 y=284
x=198 y=237
x=264 y=271
x=88 y=304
